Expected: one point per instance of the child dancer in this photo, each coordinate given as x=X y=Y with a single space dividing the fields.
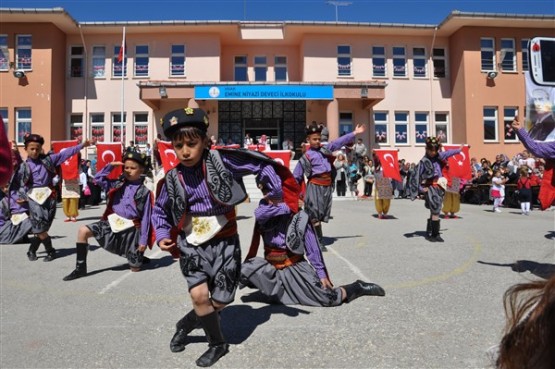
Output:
x=384 y=190
x=36 y=181
x=497 y=190
x=125 y=228
x=196 y=202
x=524 y=187
x=284 y=274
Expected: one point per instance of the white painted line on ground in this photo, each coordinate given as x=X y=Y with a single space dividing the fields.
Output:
x=351 y=266
x=123 y=277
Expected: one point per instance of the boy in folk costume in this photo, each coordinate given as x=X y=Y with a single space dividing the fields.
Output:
x=284 y=274
x=315 y=166
x=36 y=174
x=196 y=202
x=428 y=179
x=125 y=227
x=14 y=220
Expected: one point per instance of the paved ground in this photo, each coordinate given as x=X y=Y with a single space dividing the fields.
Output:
x=443 y=307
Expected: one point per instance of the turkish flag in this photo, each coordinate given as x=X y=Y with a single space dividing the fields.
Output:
x=281 y=156
x=390 y=163
x=70 y=167
x=167 y=155
x=459 y=165
x=107 y=152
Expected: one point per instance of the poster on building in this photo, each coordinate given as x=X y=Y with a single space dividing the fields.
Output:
x=540 y=117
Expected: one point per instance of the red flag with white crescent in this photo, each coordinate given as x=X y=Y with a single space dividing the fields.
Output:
x=107 y=152
x=167 y=155
x=281 y=156
x=459 y=165
x=390 y=163
x=70 y=167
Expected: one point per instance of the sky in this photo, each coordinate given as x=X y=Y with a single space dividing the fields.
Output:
x=382 y=11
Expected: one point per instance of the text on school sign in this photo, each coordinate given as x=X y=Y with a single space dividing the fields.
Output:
x=263 y=92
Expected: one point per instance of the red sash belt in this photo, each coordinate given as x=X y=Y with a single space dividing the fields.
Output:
x=323 y=179
x=281 y=259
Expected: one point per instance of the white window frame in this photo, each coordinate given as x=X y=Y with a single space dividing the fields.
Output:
x=280 y=64
x=440 y=58
x=507 y=60
x=97 y=127
x=19 y=121
x=140 y=121
x=524 y=52
x=378 y=56
x=418 y=133
x=79 y=57
x=19 y=60
x=442 y=122
x=138 y=71
x=98 y=61
x=240 y=64
x=116 y=125
x=419 y=58
x=490 y=49
x=76 y=126
x=494 y=120
x=178 y=69
x=344 y=70
x=4 y=112
x=507 y=123
x=378 y=134
x=4 y=53
x=260 y=68
x=398 y=136
x=123 y=63
x=399 y=71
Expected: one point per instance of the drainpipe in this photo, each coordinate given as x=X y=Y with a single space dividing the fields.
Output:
x=86 y=86
x=432 y=117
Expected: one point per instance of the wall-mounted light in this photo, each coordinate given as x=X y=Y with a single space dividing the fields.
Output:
x=492 y=74
x=163 y=92
x=364 y=92
x=18 y=74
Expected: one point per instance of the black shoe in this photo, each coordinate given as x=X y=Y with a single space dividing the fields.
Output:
x=51 y=255
x=370 y=289
x=77 y=273
x=177 y=344
x=212 y=355
x=32 y=256
x=146 y=260
x=436 y=239
x=323 y=248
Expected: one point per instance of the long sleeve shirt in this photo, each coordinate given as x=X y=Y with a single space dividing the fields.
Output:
x=200 y=201
x=101 y=177
x=544 y=150
x=318 y=161
x=274 y=220
x=41 y=177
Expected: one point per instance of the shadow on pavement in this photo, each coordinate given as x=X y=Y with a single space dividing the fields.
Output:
x=542 y=270
x=415 y=234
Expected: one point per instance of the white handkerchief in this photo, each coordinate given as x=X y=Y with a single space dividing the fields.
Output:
x=198 y=230
x=118 y=224
x=39 y=194
x=18 y=218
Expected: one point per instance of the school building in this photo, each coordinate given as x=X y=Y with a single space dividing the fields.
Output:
x=462 y=79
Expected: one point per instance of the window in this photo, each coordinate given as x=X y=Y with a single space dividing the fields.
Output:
x=4 y=114
x=76 y=127
x=4 y=53
x=99 y=61
x=524 y=47
x=241 y=68
x=490 y=124
x=260 y=68
x=508 y=57
x=345 y=122
x=399 y=62
x=441 y=126
x=380 y=127
x=487 y=47
x=509 y=113
x=118 y=126
x=280 y=68
x=343 y=60
x=97 y=127
x=23 y=52
x=419 y=62
x=22 y=123
x=177 y=61
x=119 y=65
x=76 y=62
x=378 y=61
x=420 y=127
x=141 y=61
x=440 y=65
x=140 y=128
x=401 y=128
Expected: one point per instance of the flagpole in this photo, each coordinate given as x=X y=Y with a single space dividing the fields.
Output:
x=122 y=88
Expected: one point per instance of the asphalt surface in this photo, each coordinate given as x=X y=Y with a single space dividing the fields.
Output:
x=442 y=309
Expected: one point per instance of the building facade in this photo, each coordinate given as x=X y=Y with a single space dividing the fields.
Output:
x=462 y=80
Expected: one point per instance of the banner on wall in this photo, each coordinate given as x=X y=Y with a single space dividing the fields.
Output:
x=540 y=103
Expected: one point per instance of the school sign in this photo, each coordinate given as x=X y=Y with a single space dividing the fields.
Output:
x=264 y=92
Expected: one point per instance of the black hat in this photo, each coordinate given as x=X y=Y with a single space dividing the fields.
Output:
x=314 y=128
x=33 y=137
x=136 y=157
x=433 y=143
x=187 y=117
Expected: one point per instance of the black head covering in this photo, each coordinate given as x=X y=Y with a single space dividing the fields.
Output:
x=135 y=156
x=433 y=143
x=180 y=118
x=314 y=128
x=33 y=137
